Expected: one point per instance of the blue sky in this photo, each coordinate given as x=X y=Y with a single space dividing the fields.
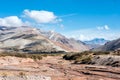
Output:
x=80 y=19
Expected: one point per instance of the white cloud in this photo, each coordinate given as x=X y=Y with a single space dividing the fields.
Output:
x=100 y=28
x=89 y=34
x=82 y=37
x=11 y=21
x=105 y=27
x=31 y=18
x=41 y=16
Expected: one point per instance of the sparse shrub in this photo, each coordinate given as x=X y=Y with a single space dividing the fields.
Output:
x=4 y=74
x=44 y=55
x=22 y=55
x=44 y=70
x=74 y=56
x=39 y=57
x=83 y=57
x=86 y=60
x=68 y=56
x=117 y=52
x=101 y=53
x=22 y=74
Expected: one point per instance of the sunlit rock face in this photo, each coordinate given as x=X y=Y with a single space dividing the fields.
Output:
x=28 y=39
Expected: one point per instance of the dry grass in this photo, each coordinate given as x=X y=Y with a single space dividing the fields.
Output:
x=83 y=57
x=4 y=74
x=22 y=74
x=22 y=55
x=26 y=55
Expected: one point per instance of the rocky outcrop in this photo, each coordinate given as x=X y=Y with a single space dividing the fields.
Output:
x=106 y=60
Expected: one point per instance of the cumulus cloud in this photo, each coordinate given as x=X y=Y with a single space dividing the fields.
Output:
x=11 y=21
x=105 y=27
x=41 y=16
x=31 y=18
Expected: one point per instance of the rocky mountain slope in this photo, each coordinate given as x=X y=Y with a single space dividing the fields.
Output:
x=30 y=39
x=69 y=44
x=110 y=46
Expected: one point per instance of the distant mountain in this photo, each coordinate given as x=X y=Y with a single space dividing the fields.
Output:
x=95 y=43
x=28 y=39
x=110 y=46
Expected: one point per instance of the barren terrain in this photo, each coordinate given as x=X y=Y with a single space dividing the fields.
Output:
x=56 y=68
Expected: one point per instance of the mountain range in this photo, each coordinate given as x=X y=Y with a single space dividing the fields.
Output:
x=28 y=39
x=110 y=46
x=95 y=43
x=33 y=40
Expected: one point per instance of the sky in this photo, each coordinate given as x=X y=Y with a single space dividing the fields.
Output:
x=79 y=19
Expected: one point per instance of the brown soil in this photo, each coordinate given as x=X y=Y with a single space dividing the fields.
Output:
x=60 y=69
